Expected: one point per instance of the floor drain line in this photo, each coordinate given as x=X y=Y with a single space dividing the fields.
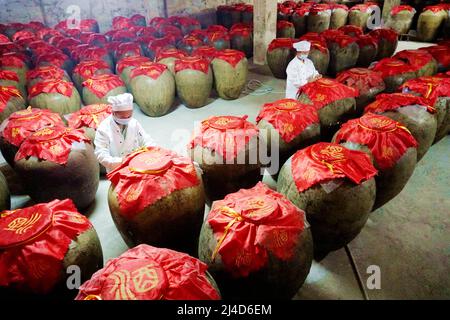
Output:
x=358 y=275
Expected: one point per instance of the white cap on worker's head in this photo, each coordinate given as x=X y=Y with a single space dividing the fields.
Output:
x=302 y=46
x=121 y=102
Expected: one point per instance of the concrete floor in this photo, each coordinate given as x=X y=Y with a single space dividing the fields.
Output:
x=408 y=239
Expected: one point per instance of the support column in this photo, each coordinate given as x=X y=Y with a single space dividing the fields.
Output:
x=388 y=5
x=265 y=28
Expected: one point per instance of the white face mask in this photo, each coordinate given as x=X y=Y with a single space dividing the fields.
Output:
x=123 y=122
x=302 y=56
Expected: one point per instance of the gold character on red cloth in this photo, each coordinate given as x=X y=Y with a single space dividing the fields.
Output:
x=22 y=225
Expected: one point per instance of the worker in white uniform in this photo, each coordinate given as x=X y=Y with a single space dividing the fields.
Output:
x=300 y=70
x=119 y=134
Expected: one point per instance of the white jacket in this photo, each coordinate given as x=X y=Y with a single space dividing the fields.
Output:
x=298 y=74
x=110 y=145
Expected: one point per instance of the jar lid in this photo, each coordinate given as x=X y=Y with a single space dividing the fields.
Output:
x=225 y=123
x=151 y=162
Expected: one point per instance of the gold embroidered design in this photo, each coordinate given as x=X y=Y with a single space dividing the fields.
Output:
x=22 y=225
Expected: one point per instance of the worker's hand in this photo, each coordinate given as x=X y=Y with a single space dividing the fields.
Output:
x=317 y=77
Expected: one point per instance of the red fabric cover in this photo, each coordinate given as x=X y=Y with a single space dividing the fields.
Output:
x=233 y=57
x=24 y=34
x=52 y=144
x=170 y=53
x=149 y=175
x=85 y=25
x=8 y=47
x=440 y=53
x=149 y=69
x=416 y=58
x=319 y=8
x=8 y=75
x=216 y=27
x=206 y=52
x=434 y=9
x=192 y=63
x=253 y=224
x=6 y=93
x=226 y=135
x=190 y=40
x=325 y=91
x=76 y=52
x=362 y=7
x=188 y=21
x=101 y=84
x=51 y=86
x=89 y=116
x=351 y=29
x=161 y=43
x=4 y=39
x=93 y=53
x=317 y=41
x=241 y=25
x=384 y=33
x=130 y=62
x=171 y=30
x=282 y=24
x=366 y=40
x=361 y=79
x=135 y=18
x=157 y=21
x=430 y=88
x=67 y=43
x=329 y=34
x=88 y=68
x=200 y=34
x=397 y=9
x=149 y=273
x=387 y=139
x=123 y=35
x=336 y=6
x=121 y=23
x=84 y=36
x=302 y=11
x=281 y=43
x=47 y=32
x=34 y=242
x=391 y=67
x=132 y=48
x=22 y=124
x=289 y=117
x=97 y=38
x=11 y=60
x=323 y=162
x=217 y=35
x=53 y=58
x=342 y=40
x=388 y=102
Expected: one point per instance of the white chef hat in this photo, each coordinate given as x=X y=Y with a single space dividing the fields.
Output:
x=121 y=102
x=302 y=46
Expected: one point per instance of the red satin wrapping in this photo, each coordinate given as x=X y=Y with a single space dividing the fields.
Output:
x=233 y=57
x=361 y=79
x=392 y=101
x=387 y=139
x=4 y=39
x=342 y=40
x=8 y=75
x=319 y=8
x=85 y=25
x=336 y=6
x=149 y=273
x=158 y=21
x=430 y=88
x=121 y=23
x=53 y=58
x=149 y=69
x=130 y=62
x=216 y=28
x=22 y=124
x=51 y=144
x=24 y=34
x=161 y=43
x=101 y=84
x=302 y=11
x=34 y=242
x=84 y=36
x=200 y=34
x=325 y=91
x=323 y=162
x=347 y=29
x=128 y=47
x=96 y=38
x=191 y=41
x=440 y=53
x=170 y=53
x=253 y=224
x=391 y=67
x=226 y=135
x=366 y=40
x=281 y=43
x=148 y=175
x=93 y=53
x=282 y=24
x=416 y=58
x=67 y=43
x=11 y=60
x=435 y=9
x=397 y=9
x=329 y=34
x=289 y=117
x=317 y=41
x=187 y=22
x=192 y=63
x=89 y=116
x=76 y=52
x=51 y=86
x=362 y=7
x=171 y=30
x=88 y=68
x=217 y=35
x=384 y=33
x=206 y=52
x=6 y=93
x=123 y=35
